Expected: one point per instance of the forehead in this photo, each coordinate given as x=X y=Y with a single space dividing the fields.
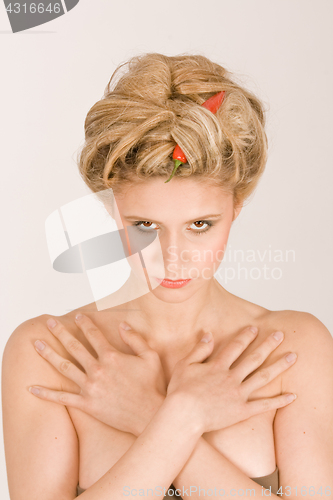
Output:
x=184 y=198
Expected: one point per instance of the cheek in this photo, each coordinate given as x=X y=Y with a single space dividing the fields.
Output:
x=209 y=259
x=212 y=250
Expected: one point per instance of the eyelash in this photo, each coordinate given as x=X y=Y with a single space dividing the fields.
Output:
x=208 y=222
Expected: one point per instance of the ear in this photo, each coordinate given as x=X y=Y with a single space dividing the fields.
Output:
x=237 y=209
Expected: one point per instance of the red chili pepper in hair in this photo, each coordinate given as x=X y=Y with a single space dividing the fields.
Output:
x=179 y=158
x=212 y=104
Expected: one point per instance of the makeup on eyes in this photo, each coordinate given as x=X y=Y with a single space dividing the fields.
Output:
x=208 y=223
x=136 y=218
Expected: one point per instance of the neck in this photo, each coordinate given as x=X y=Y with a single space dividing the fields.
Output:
x=163 y=324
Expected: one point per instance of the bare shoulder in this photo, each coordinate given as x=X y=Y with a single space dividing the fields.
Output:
x=37 y=428
x=27 y=329
x=20 y=354
x=301 y=329
x=298 y=326
x=303 y=429
x=309 y=338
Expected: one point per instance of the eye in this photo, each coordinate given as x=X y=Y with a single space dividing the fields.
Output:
x=145 y=226
x=201 y=226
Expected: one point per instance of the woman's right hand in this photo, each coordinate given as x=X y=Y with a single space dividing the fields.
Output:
x=217 y=395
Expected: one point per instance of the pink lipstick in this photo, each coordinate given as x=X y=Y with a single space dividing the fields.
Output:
x=172 y=283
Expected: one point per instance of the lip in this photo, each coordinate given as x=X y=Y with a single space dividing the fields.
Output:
x=166 y=283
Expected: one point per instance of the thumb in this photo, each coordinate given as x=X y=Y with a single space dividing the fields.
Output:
x=202 y=349
x=134 y=340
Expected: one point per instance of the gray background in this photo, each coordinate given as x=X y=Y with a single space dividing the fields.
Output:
x=52 y=75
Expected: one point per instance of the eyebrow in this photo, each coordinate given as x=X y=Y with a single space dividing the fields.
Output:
x=202 y=217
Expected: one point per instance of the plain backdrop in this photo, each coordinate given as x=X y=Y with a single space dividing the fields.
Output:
x=51 y=75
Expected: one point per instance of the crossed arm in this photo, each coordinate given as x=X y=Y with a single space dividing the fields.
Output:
x=171 y=449
x=303 y=431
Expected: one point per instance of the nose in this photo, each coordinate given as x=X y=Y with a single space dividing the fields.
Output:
x=173 y=247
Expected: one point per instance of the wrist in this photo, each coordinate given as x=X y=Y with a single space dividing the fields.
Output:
x=149 y=415
x=188 y=409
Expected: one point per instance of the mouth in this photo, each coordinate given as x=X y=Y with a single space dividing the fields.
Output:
x=172 y=283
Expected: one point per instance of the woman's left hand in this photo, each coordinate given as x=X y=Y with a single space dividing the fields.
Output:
x=121 y=390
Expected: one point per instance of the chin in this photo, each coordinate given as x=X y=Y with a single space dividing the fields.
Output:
x=175 y=298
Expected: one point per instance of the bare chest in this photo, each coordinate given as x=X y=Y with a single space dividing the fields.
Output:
x=248 y=444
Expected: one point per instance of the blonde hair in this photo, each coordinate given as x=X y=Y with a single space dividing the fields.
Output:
x=130 y=134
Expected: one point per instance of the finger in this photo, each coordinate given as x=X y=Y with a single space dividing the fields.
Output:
x=63 y=398
x=236 y=346
x=71 y=344
x=94 y=335
x=201 y=350
x=252 y=361
x=267 y=404
x=63 y=365
x=264 y=376
x=135 y=341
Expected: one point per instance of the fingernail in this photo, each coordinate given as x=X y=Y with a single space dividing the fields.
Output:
x=124 y=326
x=34 y=390
x=207 y=337
x=254 y=329
x=291 y=397
x=78 y=317
x=291 y=356
x=51 y=323
x=278 y=335
x=39 y=344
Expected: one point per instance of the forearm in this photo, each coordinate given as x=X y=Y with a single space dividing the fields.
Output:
x=154 y=459
x=208 y=469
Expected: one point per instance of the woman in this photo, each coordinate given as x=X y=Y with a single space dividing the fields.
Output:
x=130 y=399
